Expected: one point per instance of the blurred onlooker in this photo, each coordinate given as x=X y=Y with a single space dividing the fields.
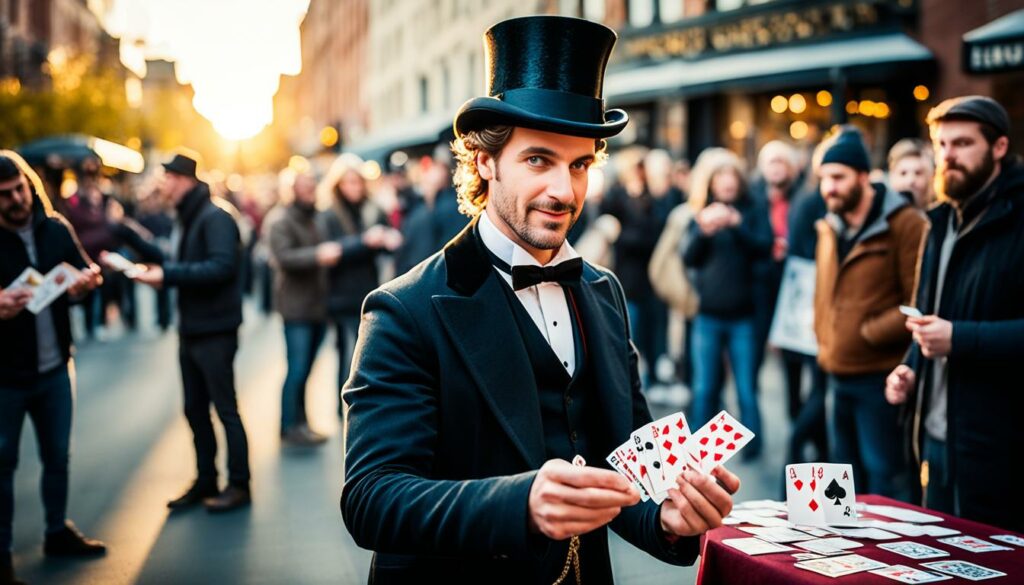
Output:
x=299 y=256
x=912 y=170
x=775 y=189
x=866 y=259
x=642 y=208
x=727 y=236
x=434 y=221
x=36 y=369
x=963 y=368
x=354 y=222
x=152 y=214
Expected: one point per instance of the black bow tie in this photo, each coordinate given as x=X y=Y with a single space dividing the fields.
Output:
x=565 y=273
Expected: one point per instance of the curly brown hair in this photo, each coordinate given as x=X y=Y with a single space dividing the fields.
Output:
x=471 y=189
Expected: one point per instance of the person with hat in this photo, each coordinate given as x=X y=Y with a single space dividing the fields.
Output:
x=958 y=379
x=36 y=365
x=483 y=371
x=206 y=273
x=866 y=259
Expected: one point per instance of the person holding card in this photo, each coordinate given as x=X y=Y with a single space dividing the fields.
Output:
x=206 y=272
x=866 y=261
x=35 y=354
x=481 y=373
x=959 y=378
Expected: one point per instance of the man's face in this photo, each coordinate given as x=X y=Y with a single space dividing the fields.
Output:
x=173 y=187
x=15 y=201
x=305 y=190
x=914 y=175
x=537 y=185
x=778 y=172
x=964 y=160
x=840 y=187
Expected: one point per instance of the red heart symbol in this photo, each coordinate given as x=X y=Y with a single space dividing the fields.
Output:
x=798 y=484
x=731 y=446
x=703 y=454
x=704 y=440
x=718 y=456
x=714 y=427
x=728 y=428
x=719 y=441
x=737 y=436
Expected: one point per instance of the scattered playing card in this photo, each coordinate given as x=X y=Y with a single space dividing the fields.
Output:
x=872 y=533
x=805 y=556
x=904 y=514
x=973 y=544
x=1008 y=539
x=913 y=550
x=964 y=570
x=839 y=566
x=716 y=442
x=779 y=534
x=815 y=531
x=828 y=546
x=905 y=574
x=755 y=546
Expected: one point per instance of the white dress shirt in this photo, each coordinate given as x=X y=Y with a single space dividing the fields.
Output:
x=545 y=302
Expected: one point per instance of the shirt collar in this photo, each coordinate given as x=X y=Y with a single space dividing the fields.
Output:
x=513 y=254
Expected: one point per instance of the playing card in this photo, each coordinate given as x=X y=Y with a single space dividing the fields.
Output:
x=973 y=544
x=872 y=533
x=913 y=550
x=828 y=546
x=670 y=434
x=838 y=492
x=650 y=459
x=755 y=546
x=805 y=556
x=910 y=311
x=29 y=278
x=1008 y=539
x=964 y=570
x=121 y=264
x=614 y=459
x=778 y=534
x=717 y=442
x=905 y=574
x=58 y=280
x=903 y=514
x=803 y=497
x=839 y=566
x=815 y=531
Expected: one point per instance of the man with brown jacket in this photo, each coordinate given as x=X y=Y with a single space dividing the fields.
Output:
x=299 y=256
x=866 y=258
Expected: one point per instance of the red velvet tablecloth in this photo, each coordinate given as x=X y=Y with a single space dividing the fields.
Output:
x=721 y=564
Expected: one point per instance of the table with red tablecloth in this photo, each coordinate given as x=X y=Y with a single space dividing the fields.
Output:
x=722 y=564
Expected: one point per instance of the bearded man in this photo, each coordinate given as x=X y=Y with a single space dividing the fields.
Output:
x=960 y=379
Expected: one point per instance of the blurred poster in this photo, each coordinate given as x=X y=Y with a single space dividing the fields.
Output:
x=793 y=324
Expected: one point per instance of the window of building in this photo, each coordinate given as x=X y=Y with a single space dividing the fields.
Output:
x=424 y=94
x=641 y=13
x=670 y=11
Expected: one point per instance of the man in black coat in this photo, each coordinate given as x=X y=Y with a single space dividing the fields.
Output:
x=481 y=372
x=960 y=376
x=206 y=273
x=36 y=371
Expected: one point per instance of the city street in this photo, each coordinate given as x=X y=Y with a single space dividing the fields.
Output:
x=132 y=452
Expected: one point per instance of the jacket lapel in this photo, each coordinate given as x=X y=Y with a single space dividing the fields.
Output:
x=484 y=333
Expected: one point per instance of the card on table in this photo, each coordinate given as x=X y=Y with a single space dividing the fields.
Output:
x=903 y=514
x=755 y=546
x=806 y=556
x=973 y=544
x=905 y=574
x=717 y=442
x=839 y=566
x=964 y=570
x=871 y=533
x=1008 y=539
x=828 y=546
x=820 y=494
x=779 y=534
x=913 y=550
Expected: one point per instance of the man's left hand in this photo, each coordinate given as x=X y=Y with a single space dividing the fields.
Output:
x=88 y=279
x=153 y=276
x=934 y=335
x=700 y=503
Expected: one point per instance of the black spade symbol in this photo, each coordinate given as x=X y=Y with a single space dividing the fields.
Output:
x=834 y=491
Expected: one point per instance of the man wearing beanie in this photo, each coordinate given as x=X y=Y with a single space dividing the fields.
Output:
x=961 y=376
x=866 y=259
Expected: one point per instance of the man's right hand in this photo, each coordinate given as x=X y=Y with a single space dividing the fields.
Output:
x=567 y=500
x=899 y=384
x=328 y=253
x=13 y=301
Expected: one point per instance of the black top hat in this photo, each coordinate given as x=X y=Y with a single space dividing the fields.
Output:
x=545 y=73
x=182 y=164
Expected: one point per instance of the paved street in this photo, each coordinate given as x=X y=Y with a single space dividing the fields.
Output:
x=132 y=452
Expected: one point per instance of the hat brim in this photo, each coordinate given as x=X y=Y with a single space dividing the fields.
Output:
x=481 y=112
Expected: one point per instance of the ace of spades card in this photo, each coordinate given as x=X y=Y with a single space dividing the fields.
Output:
x=820 y=494
x=716 y=442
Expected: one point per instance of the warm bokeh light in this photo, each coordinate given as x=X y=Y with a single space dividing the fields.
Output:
x=852 y=107
x=797 y=103
x=738 y=130
x=824 y=98
x=779 y=104
x=866 y=108
x=882 y=110
x=798 y=130
x=921 y=93
x=232 y=54
x=329 y=136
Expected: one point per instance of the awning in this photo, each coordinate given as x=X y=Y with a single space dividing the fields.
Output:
x=72 y=149
x=997 y=46
x=418 y=132
x=803 y=64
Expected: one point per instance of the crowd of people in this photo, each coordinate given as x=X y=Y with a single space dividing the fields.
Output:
x=921 y=405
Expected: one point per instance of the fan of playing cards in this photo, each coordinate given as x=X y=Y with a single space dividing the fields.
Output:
x=657 y=453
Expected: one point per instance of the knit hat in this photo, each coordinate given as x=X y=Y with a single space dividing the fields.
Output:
x=848 y=148
x=972 y=107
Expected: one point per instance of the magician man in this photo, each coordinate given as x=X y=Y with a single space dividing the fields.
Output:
x=483 y=371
